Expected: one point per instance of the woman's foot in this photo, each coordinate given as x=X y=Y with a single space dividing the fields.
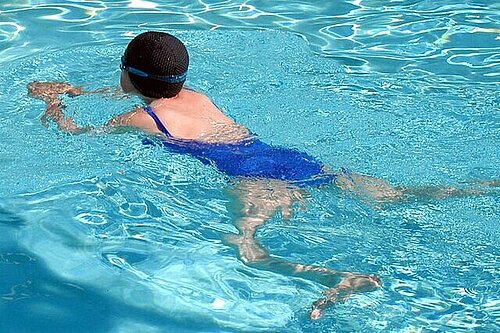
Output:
x=352 y=283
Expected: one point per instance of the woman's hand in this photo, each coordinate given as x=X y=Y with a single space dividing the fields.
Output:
x=48 y=90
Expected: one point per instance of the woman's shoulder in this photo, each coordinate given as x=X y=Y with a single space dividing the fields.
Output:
x=195 y=95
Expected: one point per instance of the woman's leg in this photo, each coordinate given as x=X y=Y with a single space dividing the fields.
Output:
x=351 y=283
x=379 y=190
x=367 y=187
x=253 y=204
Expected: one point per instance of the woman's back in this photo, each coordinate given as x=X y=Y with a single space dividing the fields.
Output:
x=192 y=116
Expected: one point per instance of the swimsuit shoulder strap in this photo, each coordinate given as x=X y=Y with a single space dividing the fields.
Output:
x=157 y=120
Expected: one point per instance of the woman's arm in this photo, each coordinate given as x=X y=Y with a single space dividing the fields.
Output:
x=54 y=112
x=44 y=89
x=50 y=93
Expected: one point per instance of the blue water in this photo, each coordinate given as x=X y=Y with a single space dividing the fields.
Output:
x=100 y=233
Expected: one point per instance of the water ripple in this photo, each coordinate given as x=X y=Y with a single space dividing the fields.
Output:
x=9 y=31
x=411 y=37
x=409 y=67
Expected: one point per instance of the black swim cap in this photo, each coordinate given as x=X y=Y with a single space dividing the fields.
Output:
x=160 y=55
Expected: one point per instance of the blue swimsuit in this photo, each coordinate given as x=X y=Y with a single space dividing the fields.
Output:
x=251 y=158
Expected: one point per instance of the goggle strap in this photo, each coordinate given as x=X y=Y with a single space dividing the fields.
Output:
x=164 y=78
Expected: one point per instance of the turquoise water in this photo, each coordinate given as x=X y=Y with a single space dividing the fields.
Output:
x=100 y=233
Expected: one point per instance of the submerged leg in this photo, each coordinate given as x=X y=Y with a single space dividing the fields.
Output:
x=255 y=202
x=367 y=187
x=379 y=190
x=351 y=283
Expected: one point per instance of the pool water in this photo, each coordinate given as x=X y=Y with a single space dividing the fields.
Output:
x=101 y=233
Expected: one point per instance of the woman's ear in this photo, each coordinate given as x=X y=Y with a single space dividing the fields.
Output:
x=126 y=84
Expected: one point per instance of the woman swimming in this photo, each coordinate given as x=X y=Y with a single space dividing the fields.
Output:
x=268 y=179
